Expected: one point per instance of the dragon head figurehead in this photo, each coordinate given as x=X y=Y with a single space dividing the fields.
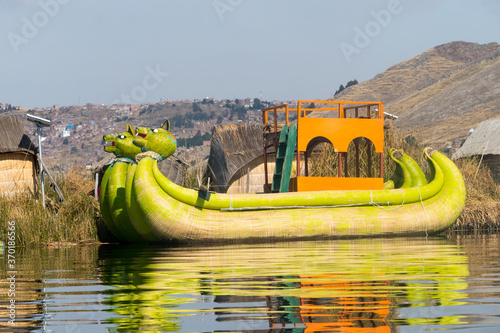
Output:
x=158 y=140
x=122 y=144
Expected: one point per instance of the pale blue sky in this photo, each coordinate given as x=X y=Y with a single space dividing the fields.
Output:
x=103 y=51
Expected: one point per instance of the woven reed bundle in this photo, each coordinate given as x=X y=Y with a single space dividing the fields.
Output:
x=17 y=173
x=18 y=166
x=157 y=214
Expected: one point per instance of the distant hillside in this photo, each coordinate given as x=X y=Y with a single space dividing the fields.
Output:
x=439 y=94
x=75 y=135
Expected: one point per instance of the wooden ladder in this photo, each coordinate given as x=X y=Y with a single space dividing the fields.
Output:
x=284 y=159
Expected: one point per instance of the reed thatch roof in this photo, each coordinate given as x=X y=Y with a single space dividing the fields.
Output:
x=232 y=147
x=485 y=140
x=13 y=137
x=174 y=169
x=18 y=158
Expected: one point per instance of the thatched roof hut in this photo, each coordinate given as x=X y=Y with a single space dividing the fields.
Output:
x=235 y=163
x=18 y=162
x=484 y=142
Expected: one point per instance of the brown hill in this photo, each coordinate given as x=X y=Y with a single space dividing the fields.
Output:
x=439 y=94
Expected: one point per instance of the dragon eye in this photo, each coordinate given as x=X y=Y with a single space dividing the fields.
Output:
x=154 y=130
x=121 y=136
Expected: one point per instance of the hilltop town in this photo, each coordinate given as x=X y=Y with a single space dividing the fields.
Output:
x=75 y=134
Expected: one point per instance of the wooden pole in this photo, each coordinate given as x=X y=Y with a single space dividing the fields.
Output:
x=340 y=164
x=306 y=162
x=298 y=151
x=369 y=156
x=356 y=146
x=381 y=165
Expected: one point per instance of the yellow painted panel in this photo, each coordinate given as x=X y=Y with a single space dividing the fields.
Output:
x=302 y=184
x=340 y=131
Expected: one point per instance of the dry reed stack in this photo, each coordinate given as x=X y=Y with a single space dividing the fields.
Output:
x=235 y=164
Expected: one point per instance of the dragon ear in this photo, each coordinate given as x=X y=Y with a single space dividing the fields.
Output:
x=166 y=125
x=130 y=129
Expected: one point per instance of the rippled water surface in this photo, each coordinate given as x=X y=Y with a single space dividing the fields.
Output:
x=374 y=285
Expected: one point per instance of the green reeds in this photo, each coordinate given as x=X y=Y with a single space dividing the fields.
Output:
x=75 y=220
x=324 y=162
x=482 y=209
x=78 y=218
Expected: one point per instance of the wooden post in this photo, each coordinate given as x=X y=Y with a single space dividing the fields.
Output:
x=382 y=165
x=298 y=151
x=369 y=156
x=96 y=188
x=356 y=146
x=346 y=169
x=340 y=164
x=266 y=180
x=276 y=130
x=306 y=162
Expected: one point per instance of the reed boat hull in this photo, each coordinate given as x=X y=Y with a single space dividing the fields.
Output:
x=159 y=210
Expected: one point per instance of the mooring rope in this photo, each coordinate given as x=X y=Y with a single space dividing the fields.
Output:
x=425 y=213
x=289 y=207
x=380 y=205
x=388 y=203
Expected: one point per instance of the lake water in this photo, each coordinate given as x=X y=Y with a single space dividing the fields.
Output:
x=363 y=285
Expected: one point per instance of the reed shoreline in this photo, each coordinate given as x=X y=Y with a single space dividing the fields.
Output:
x=78 y=220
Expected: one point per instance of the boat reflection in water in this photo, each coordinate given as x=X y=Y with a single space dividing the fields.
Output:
x=353 y=286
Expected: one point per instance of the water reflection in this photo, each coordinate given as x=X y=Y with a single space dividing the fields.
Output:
x=351 y=285
x=50 y=284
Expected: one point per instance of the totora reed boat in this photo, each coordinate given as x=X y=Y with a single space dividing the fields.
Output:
x=139 y=204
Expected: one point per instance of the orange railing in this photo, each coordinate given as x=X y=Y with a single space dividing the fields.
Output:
x=351 y=120
x=265 y=120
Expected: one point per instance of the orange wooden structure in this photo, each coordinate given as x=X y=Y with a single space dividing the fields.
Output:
x=345 y=122
x=363 y=306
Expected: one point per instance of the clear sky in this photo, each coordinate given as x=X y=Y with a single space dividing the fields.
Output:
x=70 y=52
